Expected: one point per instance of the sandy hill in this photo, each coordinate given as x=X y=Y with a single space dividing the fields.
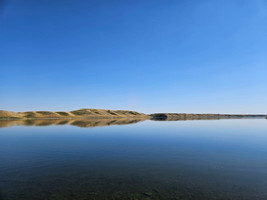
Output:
x=82 y=113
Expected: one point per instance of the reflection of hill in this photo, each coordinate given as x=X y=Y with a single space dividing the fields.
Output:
x=73 y=122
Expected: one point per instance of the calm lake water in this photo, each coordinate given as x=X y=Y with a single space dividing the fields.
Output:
x=201 y=159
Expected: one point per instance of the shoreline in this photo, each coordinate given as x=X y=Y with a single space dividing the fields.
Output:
x=98 y=114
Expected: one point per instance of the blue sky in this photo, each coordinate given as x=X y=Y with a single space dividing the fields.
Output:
x=151 y=56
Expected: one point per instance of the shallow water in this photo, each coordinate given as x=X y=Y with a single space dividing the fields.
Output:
x=205 y=159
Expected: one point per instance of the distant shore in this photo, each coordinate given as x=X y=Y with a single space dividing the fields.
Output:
x=110 y=114
x=184 y=116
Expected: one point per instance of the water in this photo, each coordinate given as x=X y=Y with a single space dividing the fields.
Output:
x=201 y=159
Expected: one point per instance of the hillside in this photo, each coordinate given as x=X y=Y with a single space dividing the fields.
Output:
x=80 y=114
x=111 y=114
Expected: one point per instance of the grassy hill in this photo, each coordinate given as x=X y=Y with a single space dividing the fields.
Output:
x=110 y=114
x=82 y=113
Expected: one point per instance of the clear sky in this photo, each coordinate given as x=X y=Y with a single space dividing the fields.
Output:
x=146 y=55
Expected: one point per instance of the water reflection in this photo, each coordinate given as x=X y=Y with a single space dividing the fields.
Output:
x=73 y=122
x=197 y=160
x=100 y=122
